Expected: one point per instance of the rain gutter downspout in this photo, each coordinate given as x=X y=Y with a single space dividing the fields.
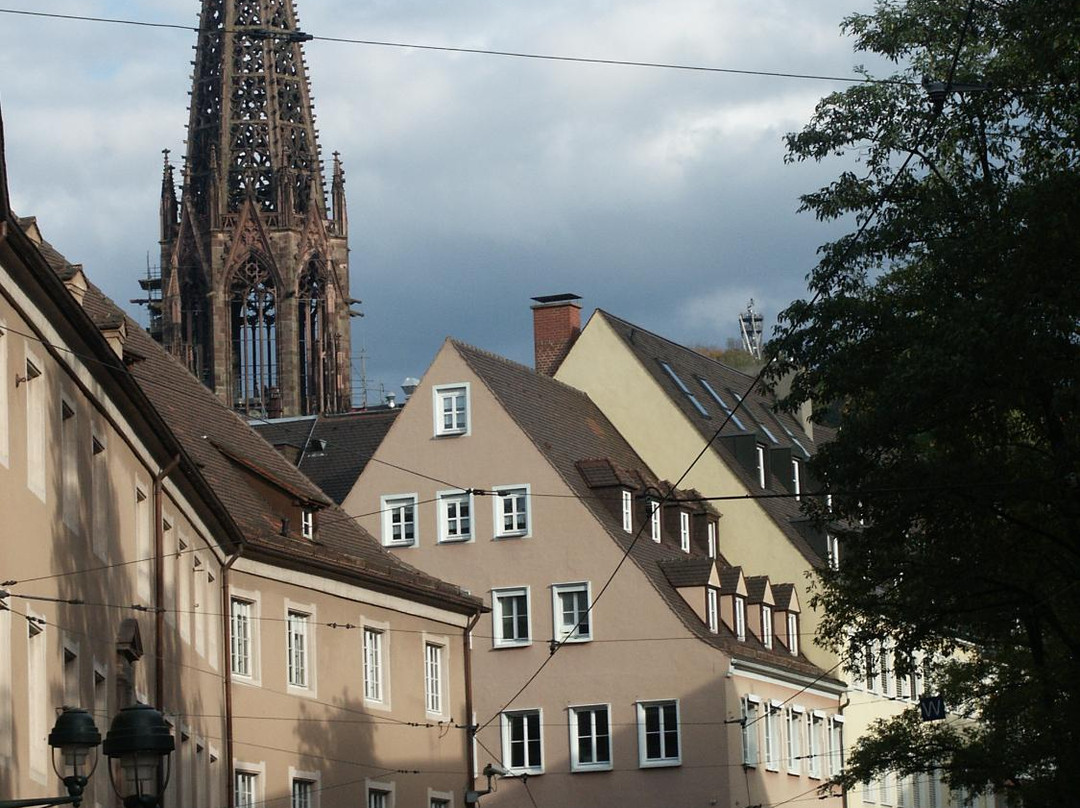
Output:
x=226 y=652
x=159 y=586
x=470 y=746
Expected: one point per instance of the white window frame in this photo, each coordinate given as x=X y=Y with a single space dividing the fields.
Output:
x=665 y=758
x=740 y=617
x=772 y=736
x=574 y=633
x=832 y=552
x=241 y=641
x=440 y=799
x=37 y=644
x=506 y=721
x=406 y=504
x=252 y=598
x=793 y=632
x=304 y=685
x=793 y=731
x=654 y=519
x=440 y=394
x=498 y=638
x=254 y=774
x=796 y=478
x=456 y=497
x=684 y=531
x=836 y=744
x=501 y=494
x=374 y=665
x=712 y=608
x=762 y=477
x=307 y=523
x=751 y=711
x=627 y=512
x=815 y=724
x=435 y=657
x=596 y=765
x=384 y=790
x=713 y=550
x=766 y=625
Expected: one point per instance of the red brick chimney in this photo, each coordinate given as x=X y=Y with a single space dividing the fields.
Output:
x=556 y=324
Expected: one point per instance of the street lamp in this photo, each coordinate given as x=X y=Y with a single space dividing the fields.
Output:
x=138 y=744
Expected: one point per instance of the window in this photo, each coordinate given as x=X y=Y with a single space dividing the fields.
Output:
x=307 y=523
x=522 y=748
x=36 y=702
x=740 y=617
x=836 y=745
x=296 y=636
x=712 y=610
x=572 y=615
x=712 y=539
x=240 y=629
x=99 y=495
x=35 y=428
x=373 y=664
x=433 y=678
x=439 y=802
x=761 y=465
x=658 y=733
x=510 y=616
x=244 y=789
x=654 y=519
x=399 y=520
x=72 y=696
x=377 y=798
x=684 y=531
x=69 y=469
x=684 y=389
x=455 y=516
x=143 y=551
x=627 y=511
x=511 y=511
x=813 y=744
x=796 y=479
x=451 y=403
x=750 y=711
x=302 y=791
x=766 y=626
x=772 y=737
x=832 y=545
x=794 y=740
x=590 y=738
x=793 y=632
x=723 y=404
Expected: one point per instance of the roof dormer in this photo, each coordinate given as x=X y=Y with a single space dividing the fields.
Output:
x=760 y=603
x=698 y=583
x=786 y=616
x=733 y=595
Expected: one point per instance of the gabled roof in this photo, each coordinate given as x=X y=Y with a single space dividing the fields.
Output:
x=759 y=590
x=697 y=571
x=703 y=377
x=567 y=428
x=331 y=450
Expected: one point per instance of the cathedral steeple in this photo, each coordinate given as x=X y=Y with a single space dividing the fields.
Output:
x=254 y=270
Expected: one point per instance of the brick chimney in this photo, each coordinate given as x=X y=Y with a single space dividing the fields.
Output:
x=556 y=324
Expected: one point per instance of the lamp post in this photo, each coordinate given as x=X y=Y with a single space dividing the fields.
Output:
x=139 y=743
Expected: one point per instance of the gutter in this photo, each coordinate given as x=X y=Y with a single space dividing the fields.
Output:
x=227 y=681
x=470 y=755
x=828 y=687
x=159 y=585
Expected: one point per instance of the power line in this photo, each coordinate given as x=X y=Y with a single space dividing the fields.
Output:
x=485 y=51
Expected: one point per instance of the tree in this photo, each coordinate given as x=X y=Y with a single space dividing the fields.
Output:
x=732 y=354
x=945 y=330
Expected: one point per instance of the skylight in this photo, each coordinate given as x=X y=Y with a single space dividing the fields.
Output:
x=682 y=386
x=723 y=405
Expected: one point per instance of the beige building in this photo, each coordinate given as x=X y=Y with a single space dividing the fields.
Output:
x=669 y=402
x=624 y=662
x=158 y=550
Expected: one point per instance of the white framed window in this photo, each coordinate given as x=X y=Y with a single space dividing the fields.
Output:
x=307 y=523
x=69 y=467
x=794 y=721
x=246 y=788
x=712 y=539
x=654 y=519
x=99 y=497
x=627 y=511
x=766 y=626
x=590 y=738
x=796 y=479
x=740 y=617
x=373 y=664
x=772 y=736
x=832 y=552
x=751 y=709
x=512 y=517
x=455 y=516
x=35 y=426
x=571 y=615
x=297 y=640
x=399 y=520
x=143 y=551
x=712 y=604
x=303 y=793
x=433 y=678
x=380 y=795
x=761 y=465
x=658 y=733
x=240 y=629
x=440 y=799
x=37 y=696
x=684 y=531
x=451 y=407
x=793 y=633
x=836 y=745
x=510 y=616
x=522 y=742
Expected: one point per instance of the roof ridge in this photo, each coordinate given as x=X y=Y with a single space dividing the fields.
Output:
x=461 y=345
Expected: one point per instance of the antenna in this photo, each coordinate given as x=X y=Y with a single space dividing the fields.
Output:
x=750 y=326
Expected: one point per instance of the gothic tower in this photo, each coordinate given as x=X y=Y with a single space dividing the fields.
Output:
x=254 y=268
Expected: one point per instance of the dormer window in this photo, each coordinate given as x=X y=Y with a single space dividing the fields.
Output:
x=832 y=545
x=712 y=539
x=654 y=519
x=451 y=409
x=684 y=531
x=761 y=465
x=793 y=632
x=796 y=479
x=740 y=617
x=627 y=511
x=712 y=609
x=307 y=523
x=766 y=626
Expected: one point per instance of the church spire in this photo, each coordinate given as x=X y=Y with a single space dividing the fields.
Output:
x=257 y=266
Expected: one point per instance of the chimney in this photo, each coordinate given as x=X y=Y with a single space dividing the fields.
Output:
x=556 y=324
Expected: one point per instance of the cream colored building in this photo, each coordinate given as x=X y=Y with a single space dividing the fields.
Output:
x=666 y=691
x=156 y=549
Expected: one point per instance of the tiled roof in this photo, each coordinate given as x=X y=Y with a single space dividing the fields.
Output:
x=332 y=450
x=701 y=374
x=756 y=587
x=687 y=571
x=567 y=427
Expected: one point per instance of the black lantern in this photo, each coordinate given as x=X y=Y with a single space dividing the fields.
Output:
x=74 y=740
x=138 y=741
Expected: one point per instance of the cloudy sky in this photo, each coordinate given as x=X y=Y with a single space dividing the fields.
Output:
x=474 y=182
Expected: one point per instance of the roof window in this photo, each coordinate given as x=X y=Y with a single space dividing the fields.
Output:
x=682 y=386
x=723 y=404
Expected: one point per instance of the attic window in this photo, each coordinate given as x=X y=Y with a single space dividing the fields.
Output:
x=766 y=626
x=654 y=519
x=796 y=479
x=627 y=512
x=307 y=523
x=761 y=465
x=684 y=531
x=723 y=404
x=793 y=633
x=740 y=617
x=315 y=447
x=685 y=390
x=712 y=539
x=713 y=610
